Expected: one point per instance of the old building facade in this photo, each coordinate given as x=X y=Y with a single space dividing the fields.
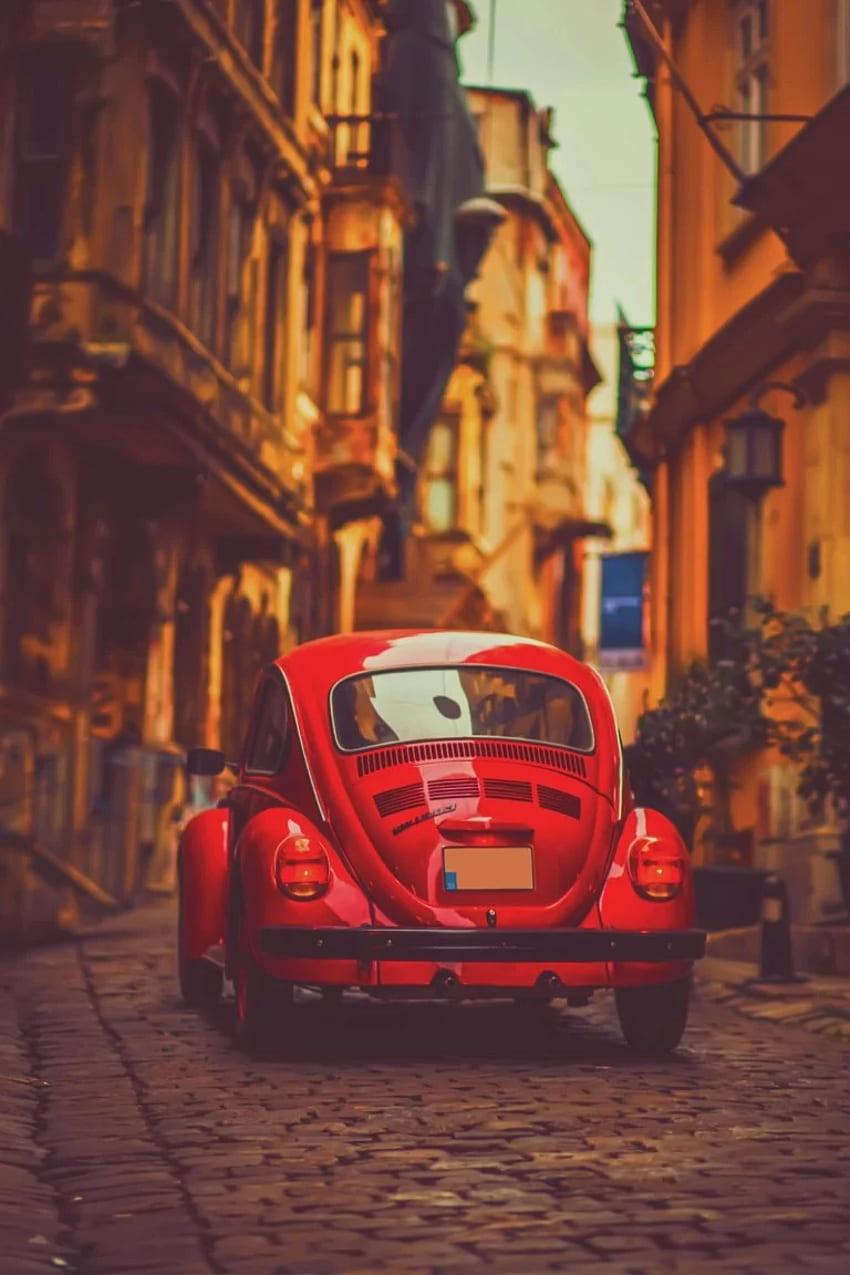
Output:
x=500 y=514
x=753 y=277
x=205 y=209
x=199 y=390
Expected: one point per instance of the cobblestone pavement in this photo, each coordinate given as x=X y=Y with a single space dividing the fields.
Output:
x=821 y=1004
x=135 y=1138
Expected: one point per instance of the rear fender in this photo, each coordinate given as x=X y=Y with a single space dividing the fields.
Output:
x=202 y=869
x=621 y=907
x=263 y=901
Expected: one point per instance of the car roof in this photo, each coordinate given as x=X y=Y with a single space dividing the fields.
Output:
x=325 y=661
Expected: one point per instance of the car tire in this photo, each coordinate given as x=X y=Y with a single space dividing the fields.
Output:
x=653 y=1019
x=263 y=1007
x=200 y=983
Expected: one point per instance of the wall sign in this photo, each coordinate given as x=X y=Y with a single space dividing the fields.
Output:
x=622 y=636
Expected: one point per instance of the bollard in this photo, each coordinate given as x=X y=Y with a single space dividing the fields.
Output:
x=777 y=957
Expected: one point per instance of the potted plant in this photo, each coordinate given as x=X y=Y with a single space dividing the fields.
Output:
x=808 y=666
x=712 y=717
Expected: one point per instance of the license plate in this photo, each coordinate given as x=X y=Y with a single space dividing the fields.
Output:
x=488 y=868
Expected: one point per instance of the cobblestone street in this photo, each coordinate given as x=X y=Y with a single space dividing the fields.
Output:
x=135 y=1138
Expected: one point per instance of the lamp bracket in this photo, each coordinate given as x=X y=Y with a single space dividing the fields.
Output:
x=800 y=399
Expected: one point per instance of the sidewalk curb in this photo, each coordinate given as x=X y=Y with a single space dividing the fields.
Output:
x=819 y=1004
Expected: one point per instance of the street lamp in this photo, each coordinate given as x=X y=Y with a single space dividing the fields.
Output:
x=754 y=445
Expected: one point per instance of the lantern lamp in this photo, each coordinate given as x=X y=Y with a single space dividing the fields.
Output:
x=754 y=452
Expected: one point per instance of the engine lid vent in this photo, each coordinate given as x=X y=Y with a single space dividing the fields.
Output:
x=566 y=803
x=463 y=750
x=507 y=789
x=396 y=799
x=446 y=789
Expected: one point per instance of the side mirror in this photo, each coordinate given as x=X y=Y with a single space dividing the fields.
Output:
x=205 y=761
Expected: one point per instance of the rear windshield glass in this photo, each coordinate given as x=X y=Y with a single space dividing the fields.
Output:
x=407 y=705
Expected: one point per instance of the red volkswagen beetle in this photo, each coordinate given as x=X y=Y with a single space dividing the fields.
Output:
x=433 y=814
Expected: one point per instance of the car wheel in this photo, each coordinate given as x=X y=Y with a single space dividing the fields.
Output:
x=653 y=1019
x=200 y=983
x=263 y=1007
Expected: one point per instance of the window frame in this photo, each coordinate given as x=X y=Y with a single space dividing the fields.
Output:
x=435 y=739
x=361 y=259
x=271 y=697
x=31 y=165
x=284 y=72
x=317 y=35
x=251 y=19
x=752 y=80
x=240 y=287
x=204 y=258
x=161 y=225
x=449 y=476
x=275 y=311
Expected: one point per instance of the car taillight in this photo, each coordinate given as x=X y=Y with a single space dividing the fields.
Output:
x=302 y=868
x=657 y=868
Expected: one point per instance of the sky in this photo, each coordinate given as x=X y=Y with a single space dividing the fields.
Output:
x=571 y=55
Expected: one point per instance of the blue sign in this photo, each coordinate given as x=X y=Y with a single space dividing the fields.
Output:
x=621 y=621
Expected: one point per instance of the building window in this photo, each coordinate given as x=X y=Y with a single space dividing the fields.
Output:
x=162 y=221
x=240 y=316
x=752 y=31
x=348 y=333
x=205 y=227
x=354 y=84
x=317 y=14
x=285 y=55
x=43 y=152
x=274 y=363
x=251 y=28
x=306 y=370
x=440 y=477
x=547 y=436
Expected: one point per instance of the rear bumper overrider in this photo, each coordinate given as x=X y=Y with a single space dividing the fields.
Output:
x=447 y=946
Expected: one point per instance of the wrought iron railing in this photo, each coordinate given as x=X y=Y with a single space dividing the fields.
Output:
x=637 y=367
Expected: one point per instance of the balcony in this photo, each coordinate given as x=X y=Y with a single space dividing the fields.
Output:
x=361 y=146
x=97 y=347
x=634 y=396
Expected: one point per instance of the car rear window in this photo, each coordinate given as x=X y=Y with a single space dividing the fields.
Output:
x=410 y=705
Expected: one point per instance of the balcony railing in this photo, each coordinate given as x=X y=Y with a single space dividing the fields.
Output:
x=637 y=368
